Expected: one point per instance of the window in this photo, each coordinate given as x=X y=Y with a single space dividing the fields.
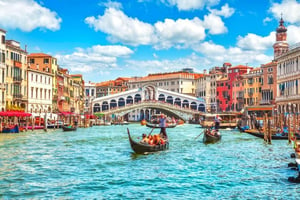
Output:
x=46 y=60
x=31 y=60
x=3 y=39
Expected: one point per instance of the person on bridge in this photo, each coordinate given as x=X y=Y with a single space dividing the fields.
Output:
x=163 y=125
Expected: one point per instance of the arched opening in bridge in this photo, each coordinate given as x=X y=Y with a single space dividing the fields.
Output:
x=185 y=104
x=113 y=103
x=96 y=107
x=149 y=92
x=129 y=100
x=137 y=98
x=104 y=106
x=142 y=114
x=121 y=102
x=194 y=106
x=201 y=108
x=177 y=102
x=170 y=99
x=161 y=97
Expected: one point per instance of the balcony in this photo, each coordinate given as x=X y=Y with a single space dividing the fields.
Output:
x=240 y=98
x=17 y=79
x=17 y=64
x=17 y=96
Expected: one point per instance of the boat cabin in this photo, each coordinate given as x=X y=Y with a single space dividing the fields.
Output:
x=228 y=120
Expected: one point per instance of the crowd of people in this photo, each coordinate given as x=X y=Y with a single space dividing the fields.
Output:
x=156 y=139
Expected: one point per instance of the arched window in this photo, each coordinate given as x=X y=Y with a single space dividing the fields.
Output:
x=170 y=99
x=96 y=107
x=137 y=98
x=113 y=104
x=104 y=106
x=161 y=97
x=121 y=102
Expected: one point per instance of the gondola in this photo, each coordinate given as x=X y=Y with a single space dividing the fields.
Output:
x=14 y=129
x=140 y=148
x=173 y=125
x=209 y=137
x=274 y=137
x=67 y=128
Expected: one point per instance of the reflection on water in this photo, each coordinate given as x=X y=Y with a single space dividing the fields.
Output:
x=97 y=162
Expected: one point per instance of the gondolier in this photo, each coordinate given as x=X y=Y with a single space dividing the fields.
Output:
x=217 y=122
x=162 y=125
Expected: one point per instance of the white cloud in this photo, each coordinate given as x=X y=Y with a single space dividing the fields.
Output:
x=122 y=28
x=255 y=42
x=191 y=4
x=180 y=32
x=293 y=33
x=93 y=59
x=266 y=20
x=215 y=24
x=27 y=15
x=225 y=11
x=289 y=9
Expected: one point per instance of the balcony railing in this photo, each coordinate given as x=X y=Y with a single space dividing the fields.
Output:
x=17 y=79
x=17 y=96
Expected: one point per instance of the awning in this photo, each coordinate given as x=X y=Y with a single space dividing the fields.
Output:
x=67 y=113
x=14 y=114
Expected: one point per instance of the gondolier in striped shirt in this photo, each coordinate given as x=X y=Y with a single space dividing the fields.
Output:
x=162 y=125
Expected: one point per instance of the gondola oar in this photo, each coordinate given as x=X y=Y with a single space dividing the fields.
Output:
x=151 y=131
x=199 y=135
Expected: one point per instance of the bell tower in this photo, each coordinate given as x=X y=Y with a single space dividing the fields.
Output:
x=281 y=46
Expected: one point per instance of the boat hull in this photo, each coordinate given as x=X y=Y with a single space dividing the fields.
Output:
x=274 y=137
x=209 y=138
x=140 y=148
x=65 y=128
x=150 y=125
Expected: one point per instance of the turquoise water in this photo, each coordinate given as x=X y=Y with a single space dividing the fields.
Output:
x=98 y=163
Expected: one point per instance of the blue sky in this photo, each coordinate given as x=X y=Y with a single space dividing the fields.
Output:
x=104 y=40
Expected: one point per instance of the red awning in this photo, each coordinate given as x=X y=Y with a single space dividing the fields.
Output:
x=14 y=114
x=67 y=113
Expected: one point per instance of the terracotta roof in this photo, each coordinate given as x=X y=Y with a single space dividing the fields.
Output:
x=4 y=31
x=38 y=55
x=170 y=75
x=240 y=67
x=76 y=75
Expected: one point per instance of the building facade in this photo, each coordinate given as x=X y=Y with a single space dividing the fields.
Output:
x=2 y=69
x=288 y=77
x=16 y=76
x=183 y=82
x=269 y=83
x=90 y=95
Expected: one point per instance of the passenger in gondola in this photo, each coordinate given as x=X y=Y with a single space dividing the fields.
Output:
x=150 y=140
x=162 y=125
x=145 y=139
x=156 y=139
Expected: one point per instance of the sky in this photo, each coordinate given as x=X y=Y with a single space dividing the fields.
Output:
x=105 y=39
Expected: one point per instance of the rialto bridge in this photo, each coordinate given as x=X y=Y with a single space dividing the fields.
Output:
x=142 y=103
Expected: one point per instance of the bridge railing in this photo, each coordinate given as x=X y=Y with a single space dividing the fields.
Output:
x=151 y=103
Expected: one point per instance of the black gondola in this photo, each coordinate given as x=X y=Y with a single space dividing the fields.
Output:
x=67 y=128
x=274 y=137
x=173 y=125
x=140 y=148
x=211 y=137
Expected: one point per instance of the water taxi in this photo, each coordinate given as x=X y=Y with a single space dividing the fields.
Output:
x=227 y=120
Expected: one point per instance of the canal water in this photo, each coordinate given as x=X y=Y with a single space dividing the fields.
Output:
x=98 y=163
